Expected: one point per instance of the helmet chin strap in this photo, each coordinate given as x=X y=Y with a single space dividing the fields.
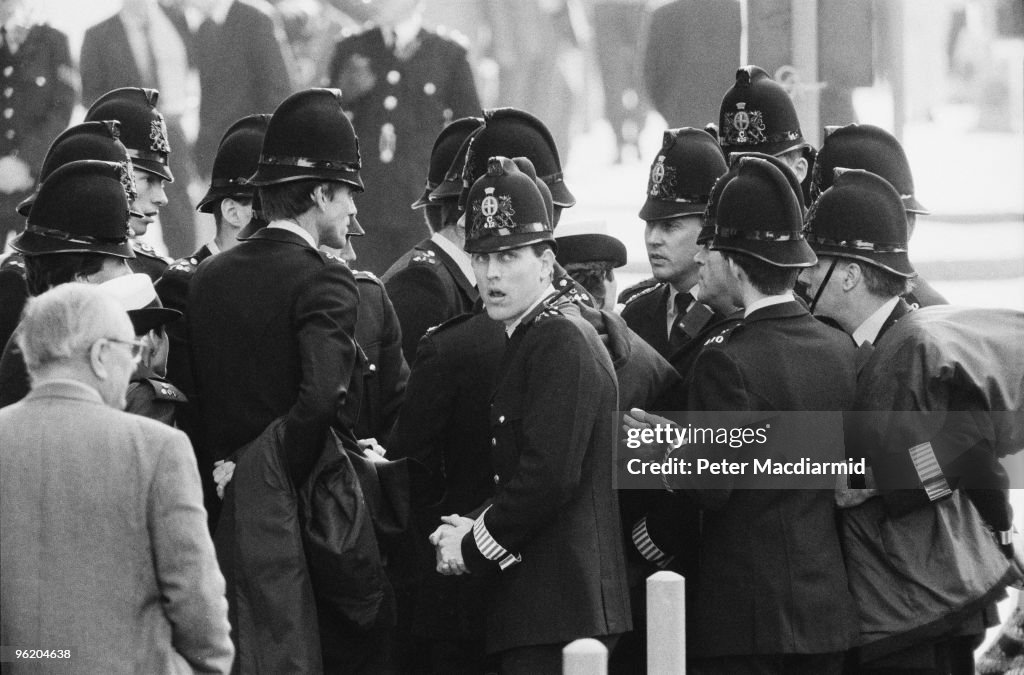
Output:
x=821 y=286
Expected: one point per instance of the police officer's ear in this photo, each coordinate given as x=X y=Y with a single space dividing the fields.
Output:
x=235 y=213
x=797 y=161
x=851 y=275
x=547 y=261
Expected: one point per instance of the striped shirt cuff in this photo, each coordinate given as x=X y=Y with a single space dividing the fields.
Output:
x=490 y=548
x=929 y=472
x=647 y=548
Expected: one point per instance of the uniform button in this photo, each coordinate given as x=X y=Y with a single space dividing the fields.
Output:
x=494 y=442
x=8 y=70
x=40 y=81
x=501 y=420
x=373 y=368
x=394 y=77
x=429 y=88
x=8 y=113
x=8 y=91
x=390 y=102
x=10 y=134
x=497 y=479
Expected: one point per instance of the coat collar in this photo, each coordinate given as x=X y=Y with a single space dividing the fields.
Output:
x=790 y=309
x=464 y=283
x=66 y=388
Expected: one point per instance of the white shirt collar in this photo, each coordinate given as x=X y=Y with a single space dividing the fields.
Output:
x=550 y=290
x=768 y=302
x=294 y=229
x=212 y=246
x=461 y=258
x=868 y=330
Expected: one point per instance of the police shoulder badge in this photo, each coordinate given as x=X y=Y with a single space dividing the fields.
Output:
x=493 y=212
x=158 y=136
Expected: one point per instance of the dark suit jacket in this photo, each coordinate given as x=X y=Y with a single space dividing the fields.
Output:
x=427 y=288
x=242 y=71
x=691 y=55
x=646 y=311
x=433 y=87
x=107 y=62
x=271 y=325
x=551 y=447
x=772 y=576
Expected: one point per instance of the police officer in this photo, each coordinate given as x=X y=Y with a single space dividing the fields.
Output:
x=757 y=115
x=591 y=259
x=434 y=281
x=230 y=200
x=666 y=314
x=552 y=525
x=149 y=393
x=864 y=146
x=77 y=230
x=403 y=83
x=89 y=140
x=37 y=94
x=144 y=133
x=271 y=322
x=859 y=231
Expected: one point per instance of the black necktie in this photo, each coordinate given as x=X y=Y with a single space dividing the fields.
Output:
x=677 y=337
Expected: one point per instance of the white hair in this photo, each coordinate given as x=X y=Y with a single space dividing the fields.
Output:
x=65 y=321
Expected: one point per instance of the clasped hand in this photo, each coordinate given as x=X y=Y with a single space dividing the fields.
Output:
x=447 y=541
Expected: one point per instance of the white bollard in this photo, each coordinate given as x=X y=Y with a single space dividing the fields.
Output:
x=666 y=624
x=585 y=656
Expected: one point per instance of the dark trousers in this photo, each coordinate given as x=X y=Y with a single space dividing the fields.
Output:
x=770 y=664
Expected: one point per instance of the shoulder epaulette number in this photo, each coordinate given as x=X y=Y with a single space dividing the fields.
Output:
x=642 y=292
x=184 y=265
x=428 y=257
x=722 y=335
x=366 y=275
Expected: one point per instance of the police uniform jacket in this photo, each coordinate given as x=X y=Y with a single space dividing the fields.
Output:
x=924 y=295
x=552 y=509
x=646 y=312
x=396 y=121
x=172 y=289
x=772 y=578
x=147 y=261
x=444 y=425
x=271 y=324
x=385 y=371
x=13 y=295
x=427 y=288
x=154 y=397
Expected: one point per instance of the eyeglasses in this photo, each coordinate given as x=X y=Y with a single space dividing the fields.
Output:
x=139 y=349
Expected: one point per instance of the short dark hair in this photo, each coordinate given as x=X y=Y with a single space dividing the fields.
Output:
x=43 y=272
x=766 y=278
x=591 y=276
x=883 y=283
x=290 y=200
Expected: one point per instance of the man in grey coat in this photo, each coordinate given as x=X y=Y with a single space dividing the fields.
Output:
x=107 y=562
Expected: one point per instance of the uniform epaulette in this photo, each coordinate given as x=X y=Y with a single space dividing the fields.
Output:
x=721 y=336
x=148 y=251
x=184 y=265
x=444 y=325
x=15 y=261
x=165 y=391
x=548 y=312
x=424 y=256
x=456 y=36
x=638 y=291
x=366 y=275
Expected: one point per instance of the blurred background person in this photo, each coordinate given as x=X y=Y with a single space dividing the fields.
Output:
x=37 y=85
x=147 y=44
